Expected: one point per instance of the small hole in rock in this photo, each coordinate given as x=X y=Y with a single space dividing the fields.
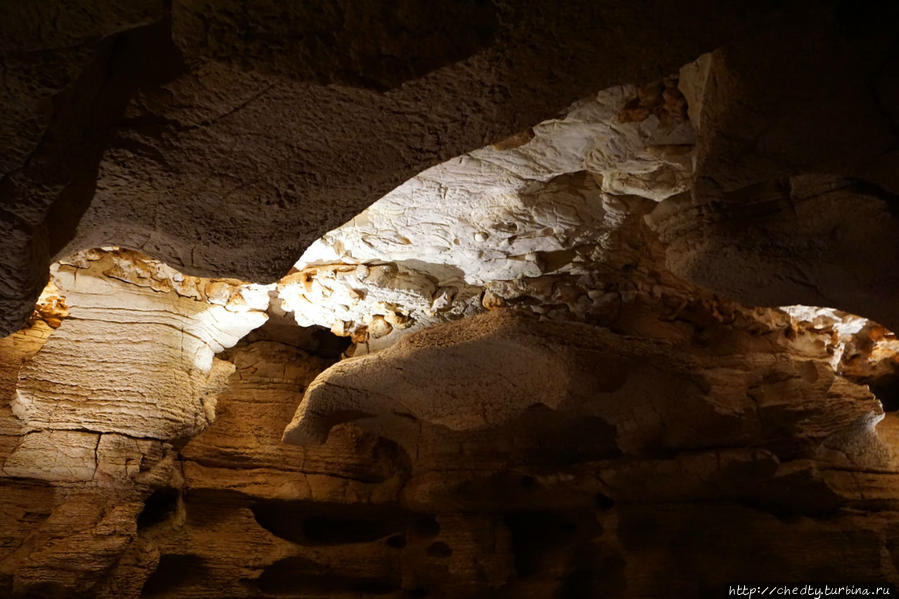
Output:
x=158 y=507
x=425 y=526
x=887 y=391
x=439 y=549
x=307 y=524
x=603 y=502
x=397 y=541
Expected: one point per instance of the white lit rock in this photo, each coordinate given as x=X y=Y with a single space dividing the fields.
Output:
x=136 y=353
x=492 y=214
x=858 y=347
x=54 y=456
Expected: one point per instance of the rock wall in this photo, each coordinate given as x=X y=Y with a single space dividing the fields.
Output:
x=616 y=460
x=203 y=135
x=447 y=300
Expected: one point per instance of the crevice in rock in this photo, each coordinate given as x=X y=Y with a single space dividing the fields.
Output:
x=316 y=524
x=886 y=389
x=158 y=507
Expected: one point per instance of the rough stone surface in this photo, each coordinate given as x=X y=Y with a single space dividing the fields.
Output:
x=785 y=150
x=801 y=247
x=200 y=135
x=142 y=344
x=578 y=367
x=620 y=324
x=440 y=465
x=495 y=215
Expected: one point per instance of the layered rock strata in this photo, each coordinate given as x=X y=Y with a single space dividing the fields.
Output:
x=437 y=467
x=633 y=343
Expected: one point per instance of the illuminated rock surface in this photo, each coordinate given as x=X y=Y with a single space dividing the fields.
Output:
x=453 y=300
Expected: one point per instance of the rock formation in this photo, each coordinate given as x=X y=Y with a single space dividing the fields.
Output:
x=458 y=300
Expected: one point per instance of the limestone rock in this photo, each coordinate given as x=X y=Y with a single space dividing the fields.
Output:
x=608 y=376
x=242 y=451
x=142 y=338
x=125 y=124
x=54 y=455
x=494 y=215
x=802 y=248
x=620 y=324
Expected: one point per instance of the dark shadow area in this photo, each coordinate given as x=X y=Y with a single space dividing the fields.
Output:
x=593 y=575
x=316 y=524
x=299 y=575
x=439 y=549
x=425 y=526
x=58 y=178
x=886 y=389
x=315 y=340
x=142 y=58
x=376 y=45
x=603 y=502
x=536 y=533
x=175 y=571
x=158 y=507
x=45 y=590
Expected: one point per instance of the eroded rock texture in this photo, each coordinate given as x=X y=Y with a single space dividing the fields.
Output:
x=442 y=467
x=780 y=152
x=447 y=300
x=673 y=440
x=553 y=202
x=225 y=137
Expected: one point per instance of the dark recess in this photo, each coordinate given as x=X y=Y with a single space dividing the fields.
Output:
x=425 y=526
x=310 y=524
x=293 y=574
x=175 y=571
x=536 y=533
x=887 y=391
x=158 y=507
x=439 y=549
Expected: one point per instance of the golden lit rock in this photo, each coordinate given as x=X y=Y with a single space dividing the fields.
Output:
x=447 y=300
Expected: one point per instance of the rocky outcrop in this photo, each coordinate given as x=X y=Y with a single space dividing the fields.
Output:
x=572 y=498
x=201 y=135
x=591 y=371
x=801 y=249
x=69 y=499
x=68 y=70
x=779 y=153
x=80 y=455
x=634 y=342
x=142 y=339
x=659 y=426
x=549 y=203
x=439 y=466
